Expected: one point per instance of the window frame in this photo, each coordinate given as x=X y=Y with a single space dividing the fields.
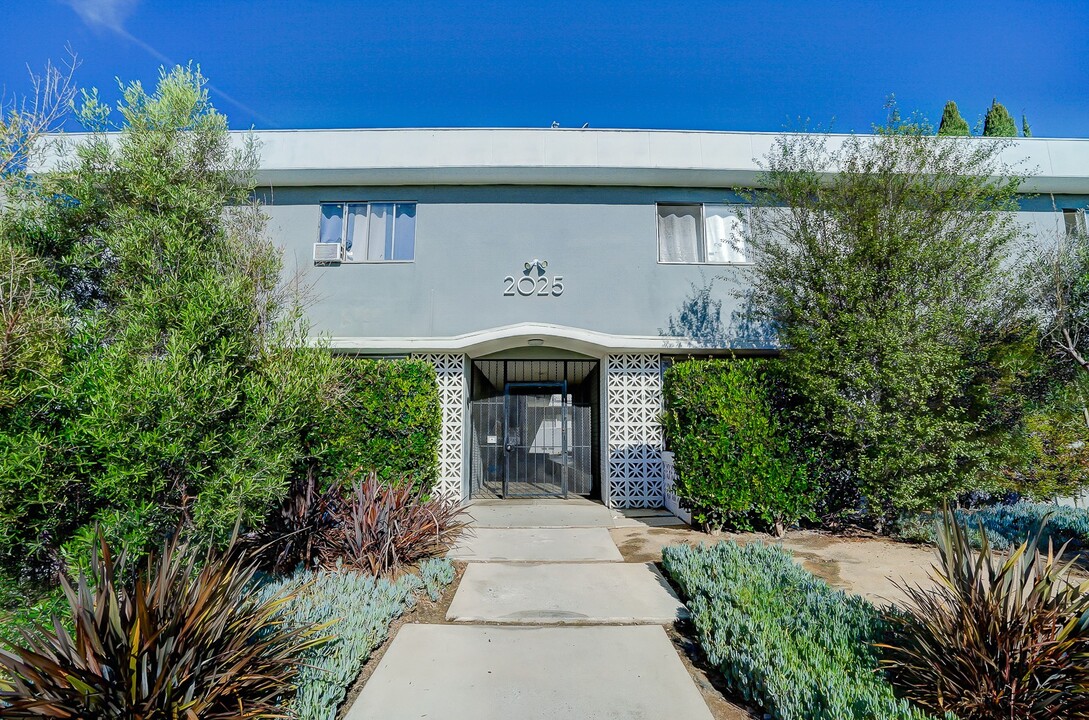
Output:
x=1079 y=216
x=702 y=243
x=344 y=227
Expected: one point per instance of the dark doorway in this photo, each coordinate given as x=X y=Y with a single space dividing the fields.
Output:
x=535 y=449
x=533 y=424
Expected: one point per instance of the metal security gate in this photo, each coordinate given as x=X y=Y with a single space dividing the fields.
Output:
x=533 y=428
x=536 y=440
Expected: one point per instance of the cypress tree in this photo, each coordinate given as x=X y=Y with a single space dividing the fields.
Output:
x=998 y=122
x=1025 y=129
x=952 y=122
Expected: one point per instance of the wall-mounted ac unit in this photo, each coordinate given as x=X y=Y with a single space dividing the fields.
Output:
x=328 y=253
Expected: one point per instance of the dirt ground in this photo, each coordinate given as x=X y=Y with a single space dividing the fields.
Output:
x=864 y=565
x=723 y=702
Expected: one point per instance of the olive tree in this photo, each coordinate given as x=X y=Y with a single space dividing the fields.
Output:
x=879 y=260
x=184 y=392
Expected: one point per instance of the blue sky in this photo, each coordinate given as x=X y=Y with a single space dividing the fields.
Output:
x=704 y=65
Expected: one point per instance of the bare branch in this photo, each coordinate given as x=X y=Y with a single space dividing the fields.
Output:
x=26 y=120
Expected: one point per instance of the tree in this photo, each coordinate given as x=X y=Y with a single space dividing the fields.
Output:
x=952 y=123
x=1059 y=288
x=1058 y=295
x=187 y=395
x=998 y=122
x=1025 y=129
x=884 y=281
x=26 y=121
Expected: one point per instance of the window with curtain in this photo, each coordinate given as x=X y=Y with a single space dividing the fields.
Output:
x=371 y=232
x=724 y=232
x=1074 y=221
x=679 y=233
x=701 y=233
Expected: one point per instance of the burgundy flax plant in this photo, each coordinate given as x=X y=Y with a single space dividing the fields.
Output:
x=997 y=636
x=380 y=528
x=186 y=640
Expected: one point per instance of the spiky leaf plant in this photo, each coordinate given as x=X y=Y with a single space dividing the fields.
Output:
x=379 y=527
x=291 y=537
x=186 y=639
x=997 y=636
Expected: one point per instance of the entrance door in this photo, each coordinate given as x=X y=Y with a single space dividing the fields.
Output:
x=536 y=442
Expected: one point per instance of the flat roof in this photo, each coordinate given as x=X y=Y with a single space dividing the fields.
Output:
x=573 y=156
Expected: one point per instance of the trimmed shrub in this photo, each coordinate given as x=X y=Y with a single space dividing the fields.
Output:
x=387 y=420
x=783 y=639
x=187 y=639
x=734 y=462
x=995 y=636
x=1007 y=526
x=355 y=611
x=1056 y=458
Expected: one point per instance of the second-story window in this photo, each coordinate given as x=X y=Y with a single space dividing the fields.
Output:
x=371 y=231
x=1074 y=221
x=701 y=233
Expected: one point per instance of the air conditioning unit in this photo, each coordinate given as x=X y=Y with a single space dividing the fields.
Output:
x=328 y=253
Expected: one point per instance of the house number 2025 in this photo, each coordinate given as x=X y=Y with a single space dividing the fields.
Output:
x=527 y=285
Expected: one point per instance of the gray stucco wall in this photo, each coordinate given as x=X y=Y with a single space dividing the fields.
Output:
x=602 y=241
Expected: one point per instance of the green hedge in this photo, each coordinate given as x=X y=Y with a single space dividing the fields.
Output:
x=386 y=418
x=355 y=610
x=783 y=639
x=734 y=462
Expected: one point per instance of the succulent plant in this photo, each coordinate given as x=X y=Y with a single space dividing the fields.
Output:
x=783 y=639
x=355 y=610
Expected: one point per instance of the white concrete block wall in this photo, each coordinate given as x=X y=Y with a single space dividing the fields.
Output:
x=633 y=390
x=453 y=395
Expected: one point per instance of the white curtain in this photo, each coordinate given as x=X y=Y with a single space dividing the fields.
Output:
x=356 y=236
x=332 y=222
x=380 y=239
x=678 y=233
x=404 y=236
x=725 y=233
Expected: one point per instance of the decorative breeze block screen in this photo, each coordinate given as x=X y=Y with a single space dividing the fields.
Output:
x=450 y=373
x=634 y=402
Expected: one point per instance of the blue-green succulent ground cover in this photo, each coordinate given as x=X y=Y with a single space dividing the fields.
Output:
x=783 y=639
x=355 y=611
x=1009 y=525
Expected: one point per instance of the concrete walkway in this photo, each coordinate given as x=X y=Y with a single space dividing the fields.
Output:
x=547 y=623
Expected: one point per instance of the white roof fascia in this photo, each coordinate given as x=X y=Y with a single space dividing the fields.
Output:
x=575 y=157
